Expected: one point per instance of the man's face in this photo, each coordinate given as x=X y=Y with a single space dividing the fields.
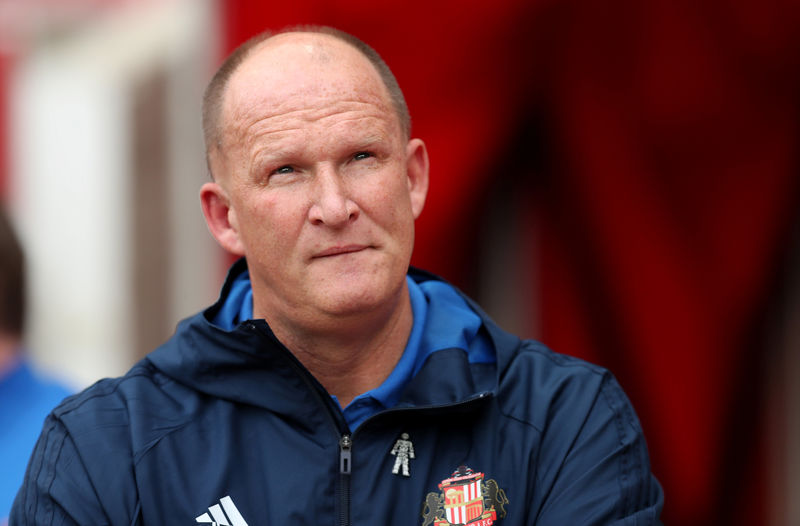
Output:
x=322 y=186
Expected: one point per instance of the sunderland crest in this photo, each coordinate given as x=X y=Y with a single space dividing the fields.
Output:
x=465 y=499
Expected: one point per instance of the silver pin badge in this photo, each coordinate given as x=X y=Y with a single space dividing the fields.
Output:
x=403 y=450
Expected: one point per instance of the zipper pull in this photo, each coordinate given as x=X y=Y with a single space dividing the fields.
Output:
x=345 y=443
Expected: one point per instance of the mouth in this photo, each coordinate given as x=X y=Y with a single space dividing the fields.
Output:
x=340 y=251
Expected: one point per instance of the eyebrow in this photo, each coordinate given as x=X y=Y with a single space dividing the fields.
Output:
x=370 y=140
x=266 y=156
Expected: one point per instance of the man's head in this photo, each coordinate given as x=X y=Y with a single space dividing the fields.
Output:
x=212 y=100
x=12 y=281
x=316 y=180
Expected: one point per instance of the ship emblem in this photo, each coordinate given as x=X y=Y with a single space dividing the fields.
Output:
x=465 y=499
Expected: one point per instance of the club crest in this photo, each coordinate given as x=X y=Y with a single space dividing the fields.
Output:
x=465 y=499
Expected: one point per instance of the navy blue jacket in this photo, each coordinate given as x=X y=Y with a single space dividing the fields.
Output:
x=227 y=427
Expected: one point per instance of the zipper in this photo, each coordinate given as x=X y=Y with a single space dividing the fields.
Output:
x=345 y=444
x=345 y=465
x=335 y=417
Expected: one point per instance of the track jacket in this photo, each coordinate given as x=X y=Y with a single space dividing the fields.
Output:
x=226 y=427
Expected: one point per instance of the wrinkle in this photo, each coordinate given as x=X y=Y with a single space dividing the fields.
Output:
x=240 y=111
x=279 y=127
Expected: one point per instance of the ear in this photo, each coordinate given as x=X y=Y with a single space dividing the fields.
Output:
x=221 y=218
x=417 y=172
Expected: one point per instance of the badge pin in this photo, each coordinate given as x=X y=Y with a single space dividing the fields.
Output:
x=403 y=450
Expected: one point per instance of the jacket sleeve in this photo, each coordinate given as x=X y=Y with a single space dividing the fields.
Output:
x=57 y=489
x=602 y=472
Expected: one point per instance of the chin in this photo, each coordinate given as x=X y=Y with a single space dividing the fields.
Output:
x=351 y=300
x=361 y=294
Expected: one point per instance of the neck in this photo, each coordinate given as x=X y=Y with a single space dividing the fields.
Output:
x=352 y=354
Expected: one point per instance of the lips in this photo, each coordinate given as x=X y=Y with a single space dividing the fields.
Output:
x=340 y=250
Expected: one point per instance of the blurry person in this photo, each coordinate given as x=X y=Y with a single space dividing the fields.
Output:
x=25 y=396
x=326 y=359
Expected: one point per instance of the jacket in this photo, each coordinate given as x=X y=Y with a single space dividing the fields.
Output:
x=224 y=426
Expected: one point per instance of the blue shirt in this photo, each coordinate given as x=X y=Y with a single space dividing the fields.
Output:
x=442 y=320
x=25 y=401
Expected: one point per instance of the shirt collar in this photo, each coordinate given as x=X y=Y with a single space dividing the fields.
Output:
x=442 y=320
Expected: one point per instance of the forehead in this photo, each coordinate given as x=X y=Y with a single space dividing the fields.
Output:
x=301 y=74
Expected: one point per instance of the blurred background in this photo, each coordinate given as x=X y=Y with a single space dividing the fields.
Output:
x=617 y=178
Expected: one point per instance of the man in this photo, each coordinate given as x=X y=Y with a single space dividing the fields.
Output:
x=283 y=402
x=26 y=396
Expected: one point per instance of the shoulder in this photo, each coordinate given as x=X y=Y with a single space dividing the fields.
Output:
x=86 y=456
x=83 y=459
x=591 y=442
x=108 y=393
x=536 y=385
x=125 y=415
x=536 y=382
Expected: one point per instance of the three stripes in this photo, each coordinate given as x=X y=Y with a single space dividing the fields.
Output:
x=229 y=517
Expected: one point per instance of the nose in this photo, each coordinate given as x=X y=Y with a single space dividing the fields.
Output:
x=331 y=204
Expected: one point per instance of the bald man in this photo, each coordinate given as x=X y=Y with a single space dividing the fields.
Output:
x=326 y=360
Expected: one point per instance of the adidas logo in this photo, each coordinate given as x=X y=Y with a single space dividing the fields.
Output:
x=229 y=517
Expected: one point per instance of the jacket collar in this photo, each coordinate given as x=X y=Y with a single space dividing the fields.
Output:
x=249 y=365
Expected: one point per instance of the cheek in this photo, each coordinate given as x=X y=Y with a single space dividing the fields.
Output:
x=394 y=202
x=386 y=192
x=391 y=213
x=268 y=225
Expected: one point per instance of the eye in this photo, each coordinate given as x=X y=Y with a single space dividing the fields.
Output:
x=284 y=170
x=362 y=155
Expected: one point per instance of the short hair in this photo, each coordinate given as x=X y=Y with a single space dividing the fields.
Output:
x=12 y=279
x=215 y=91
